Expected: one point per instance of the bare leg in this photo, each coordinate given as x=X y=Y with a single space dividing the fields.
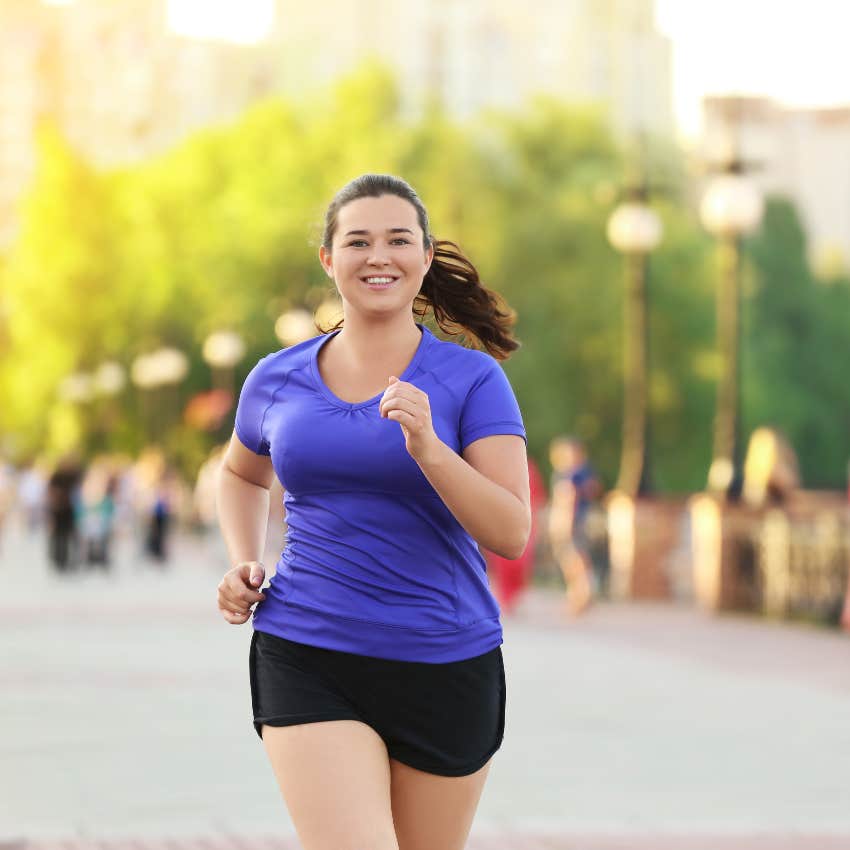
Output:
x=434 y=811
x=335 y=779
x=576 y=569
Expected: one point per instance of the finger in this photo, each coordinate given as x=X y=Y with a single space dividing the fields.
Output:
x=238 y=588
x=249 y=597
x=402 y=417
x=235 y=619
x=240 y=600
x=389 y=401
x=232 y=605
x=401 y=403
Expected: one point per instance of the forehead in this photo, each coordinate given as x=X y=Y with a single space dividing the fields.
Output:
x=377 y=214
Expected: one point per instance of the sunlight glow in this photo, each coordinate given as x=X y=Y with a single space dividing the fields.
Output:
x=245 y=22
x=794 y=52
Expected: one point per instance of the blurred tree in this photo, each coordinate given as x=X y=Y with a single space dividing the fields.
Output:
x=223 y=230
x=795 y=359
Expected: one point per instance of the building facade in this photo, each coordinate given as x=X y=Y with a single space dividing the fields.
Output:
x=802 y=154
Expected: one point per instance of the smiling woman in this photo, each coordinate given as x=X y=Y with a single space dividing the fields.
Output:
x=245 y=22
x=399 y=453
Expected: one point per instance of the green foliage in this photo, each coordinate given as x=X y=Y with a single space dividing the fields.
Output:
x=797 y=351
x=223 y=230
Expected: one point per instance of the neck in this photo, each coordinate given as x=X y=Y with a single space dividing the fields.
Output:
x=367 y=342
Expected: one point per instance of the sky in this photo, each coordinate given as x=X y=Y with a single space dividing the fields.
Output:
x=795 y=51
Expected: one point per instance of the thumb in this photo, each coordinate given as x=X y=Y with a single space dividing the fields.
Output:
x=258 y=573
x=393 y=379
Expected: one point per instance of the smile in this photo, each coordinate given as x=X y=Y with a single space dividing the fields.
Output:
x=379 y=281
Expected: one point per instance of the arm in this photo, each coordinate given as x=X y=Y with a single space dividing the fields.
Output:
x=242 y=498
x=486 y=488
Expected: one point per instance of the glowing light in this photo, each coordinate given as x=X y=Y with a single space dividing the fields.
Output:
x=245 y=22
x=793 y=52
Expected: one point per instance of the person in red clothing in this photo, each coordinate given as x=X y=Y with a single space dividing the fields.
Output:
x=509 y=578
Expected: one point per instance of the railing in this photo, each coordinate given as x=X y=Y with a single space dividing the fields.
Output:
x=803 y=563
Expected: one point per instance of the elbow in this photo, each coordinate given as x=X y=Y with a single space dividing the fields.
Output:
x=514 y=547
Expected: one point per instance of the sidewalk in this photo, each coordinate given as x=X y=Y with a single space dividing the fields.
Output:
x=125 y=722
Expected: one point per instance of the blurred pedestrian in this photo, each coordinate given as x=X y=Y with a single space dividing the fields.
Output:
x=32 y=495
x=400 y=453
x=771 y=473
x=96 y=513
x=160 y=518
x=510 y=577
x=62 y=496
x=574 y=488
x=8 y=488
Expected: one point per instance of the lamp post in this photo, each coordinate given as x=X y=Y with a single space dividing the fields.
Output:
x=731 y=208
x=636 y=525
x=162 y=368
x=108 y=380
x=635 y=230
x=222 y=351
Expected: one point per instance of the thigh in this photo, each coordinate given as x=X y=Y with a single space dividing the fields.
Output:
x=335 y=779
x=432 y=811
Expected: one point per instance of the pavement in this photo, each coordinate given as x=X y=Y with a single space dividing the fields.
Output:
x=125 y=721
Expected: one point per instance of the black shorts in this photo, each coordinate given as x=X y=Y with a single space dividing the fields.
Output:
x=446 y=719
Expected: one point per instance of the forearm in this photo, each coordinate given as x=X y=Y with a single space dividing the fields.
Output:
x=493 y=516
x=243 y=515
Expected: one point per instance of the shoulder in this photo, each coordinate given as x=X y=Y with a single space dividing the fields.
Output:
x=276 y=366
x=461 y=367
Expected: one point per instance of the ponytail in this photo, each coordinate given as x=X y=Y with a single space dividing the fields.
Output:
x=462 y=305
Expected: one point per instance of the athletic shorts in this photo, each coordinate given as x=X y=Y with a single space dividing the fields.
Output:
x=446 y=719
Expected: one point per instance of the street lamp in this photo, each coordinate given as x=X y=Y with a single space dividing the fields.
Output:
x=77 y=387
x=161 y=368
x=222 y=351
x=294 y=326
x=635 y=230
x=731 y=208
x=109 y=379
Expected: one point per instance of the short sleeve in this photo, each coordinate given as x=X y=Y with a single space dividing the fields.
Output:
x=250 y=411
x=490 y=407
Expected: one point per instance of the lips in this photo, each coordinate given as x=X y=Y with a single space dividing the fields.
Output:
x=379 y=281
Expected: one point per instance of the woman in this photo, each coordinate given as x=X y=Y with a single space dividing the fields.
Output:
x=376 y=670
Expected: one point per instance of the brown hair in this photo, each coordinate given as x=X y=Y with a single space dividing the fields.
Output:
x=451 y=288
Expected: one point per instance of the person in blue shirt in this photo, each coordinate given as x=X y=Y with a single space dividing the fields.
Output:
x=574 y=487
x=377 y=679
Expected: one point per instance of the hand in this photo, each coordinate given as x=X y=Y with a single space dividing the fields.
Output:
x=409 y=406
x=236 y=594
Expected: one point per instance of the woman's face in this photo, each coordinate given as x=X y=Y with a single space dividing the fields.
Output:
x=377 y=259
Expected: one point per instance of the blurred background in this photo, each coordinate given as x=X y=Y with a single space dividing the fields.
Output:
x=661 y=190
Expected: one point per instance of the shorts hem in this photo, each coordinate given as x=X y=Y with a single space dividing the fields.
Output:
x=436 y=770
x=298 y=719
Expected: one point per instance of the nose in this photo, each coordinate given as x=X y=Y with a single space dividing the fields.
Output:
x=377 y=257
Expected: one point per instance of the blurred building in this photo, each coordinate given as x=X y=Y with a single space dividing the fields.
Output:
x=474 y=54
x=803 y=154
x=117 y=83
x=121 y=86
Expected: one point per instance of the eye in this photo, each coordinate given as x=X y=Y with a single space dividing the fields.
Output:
x=356 y=243
x=401 y=240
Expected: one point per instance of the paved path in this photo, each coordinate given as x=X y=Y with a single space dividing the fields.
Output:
x=125 y=722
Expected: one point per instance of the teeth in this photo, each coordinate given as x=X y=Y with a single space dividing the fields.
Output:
x=379 y=280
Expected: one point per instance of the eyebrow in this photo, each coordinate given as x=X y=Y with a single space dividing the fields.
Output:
x=389 y=230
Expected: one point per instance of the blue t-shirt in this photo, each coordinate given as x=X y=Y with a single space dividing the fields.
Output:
x=374 y=562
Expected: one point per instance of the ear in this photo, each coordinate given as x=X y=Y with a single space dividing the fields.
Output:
x=327 y=261
x=429 y=257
